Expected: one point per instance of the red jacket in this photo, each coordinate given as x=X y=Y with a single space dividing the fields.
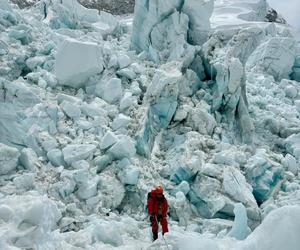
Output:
x=157 y=207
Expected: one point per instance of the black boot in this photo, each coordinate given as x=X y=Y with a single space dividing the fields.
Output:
x=155 y=236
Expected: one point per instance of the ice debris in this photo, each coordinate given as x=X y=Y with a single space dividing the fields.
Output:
x=84 y=58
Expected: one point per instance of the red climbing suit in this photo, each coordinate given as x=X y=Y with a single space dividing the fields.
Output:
x=157 y=209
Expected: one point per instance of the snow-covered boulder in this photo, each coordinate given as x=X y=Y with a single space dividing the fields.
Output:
x=111 y=91
x=127 y=101
x=108 y=140
x=56 y=157
x=9 y=158
x=76 y=61
x=87 y=189
x=127 y=73
x=76 y=152
x=29 y=159
x=121 y=121
x=123 y=61
x=129 y=175
x=25 y=181
x=123 y=148
x=71 y=110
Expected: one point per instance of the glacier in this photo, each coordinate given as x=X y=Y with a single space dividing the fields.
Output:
x=201 y=97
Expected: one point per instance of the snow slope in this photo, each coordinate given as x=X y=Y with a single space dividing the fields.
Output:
x=96 y=109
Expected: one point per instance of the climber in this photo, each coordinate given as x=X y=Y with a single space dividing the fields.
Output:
x=157 y=209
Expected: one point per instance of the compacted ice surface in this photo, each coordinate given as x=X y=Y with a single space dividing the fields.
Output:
x=199 y=96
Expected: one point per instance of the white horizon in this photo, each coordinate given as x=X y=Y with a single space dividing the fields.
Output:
x=289 y=9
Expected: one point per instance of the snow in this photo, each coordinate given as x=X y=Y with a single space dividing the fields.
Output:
x=77 y=152
x=111 y=91
x=121 y=121
x=123 y=148
x=29 y=220
x=200 y=97
x=108 y=140
x=287 y=239
x=71 y=110
x=287 y=217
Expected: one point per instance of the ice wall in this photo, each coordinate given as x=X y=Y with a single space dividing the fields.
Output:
x=162 y=28
x=161 y=97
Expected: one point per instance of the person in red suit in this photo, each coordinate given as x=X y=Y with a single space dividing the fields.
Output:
x=157 y=209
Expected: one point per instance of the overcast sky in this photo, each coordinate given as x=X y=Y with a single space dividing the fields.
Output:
x=289 y=9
